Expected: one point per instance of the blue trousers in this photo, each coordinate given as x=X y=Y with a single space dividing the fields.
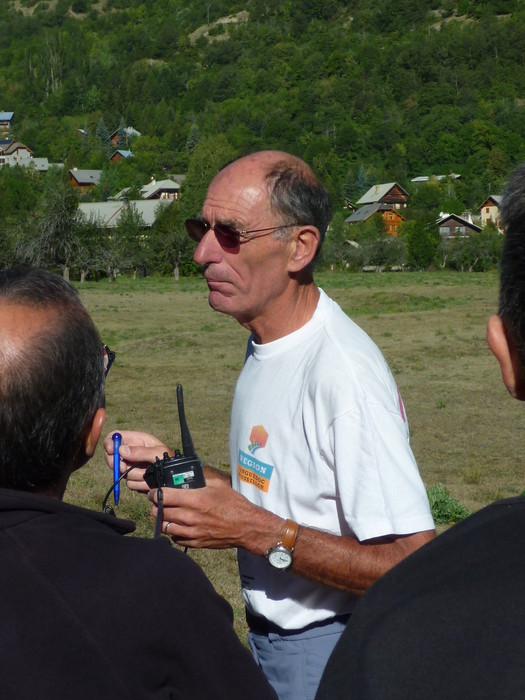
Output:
x=294 y=663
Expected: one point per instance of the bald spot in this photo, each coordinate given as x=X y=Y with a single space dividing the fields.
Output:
x=266 y=161
x=19 y=323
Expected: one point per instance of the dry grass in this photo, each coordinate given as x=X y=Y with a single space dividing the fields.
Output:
x=431 y=328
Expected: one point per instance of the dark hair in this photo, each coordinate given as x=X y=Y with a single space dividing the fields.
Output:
x=512 y=267
x=298 y=196
x=51 y=387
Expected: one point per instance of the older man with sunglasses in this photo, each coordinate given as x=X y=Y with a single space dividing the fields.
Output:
x=325 y=494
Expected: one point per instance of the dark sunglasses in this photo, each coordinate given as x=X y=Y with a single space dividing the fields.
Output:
x=227 y=235
x=109 y=358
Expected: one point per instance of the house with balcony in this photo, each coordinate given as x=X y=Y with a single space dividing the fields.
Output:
x=163 y=189
x=389 y=193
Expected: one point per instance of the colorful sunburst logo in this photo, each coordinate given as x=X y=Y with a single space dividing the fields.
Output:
x=258 y=438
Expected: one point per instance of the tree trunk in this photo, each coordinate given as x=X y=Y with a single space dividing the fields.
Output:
x=65 y=272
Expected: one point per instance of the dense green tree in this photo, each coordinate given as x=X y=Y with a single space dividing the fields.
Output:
x=209 y=156
x=422 y=243
x=171 y=248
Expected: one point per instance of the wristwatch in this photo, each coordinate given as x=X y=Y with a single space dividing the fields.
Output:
x=280 y=556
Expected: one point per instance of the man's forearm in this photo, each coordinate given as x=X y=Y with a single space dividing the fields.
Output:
x=345 y=563
x=218 y=517
x=333 y=560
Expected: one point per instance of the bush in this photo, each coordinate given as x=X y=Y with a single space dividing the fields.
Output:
x=477 y=253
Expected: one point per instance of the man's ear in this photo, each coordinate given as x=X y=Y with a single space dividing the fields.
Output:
x=304 y=247
x=94 y=431
x=503 y=348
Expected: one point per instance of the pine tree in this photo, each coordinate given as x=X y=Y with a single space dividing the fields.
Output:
x=103 y=133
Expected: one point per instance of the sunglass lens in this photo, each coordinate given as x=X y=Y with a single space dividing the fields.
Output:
x=196 y=229
x=228 y=235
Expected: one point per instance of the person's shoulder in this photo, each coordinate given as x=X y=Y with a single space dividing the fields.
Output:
x=455 y=555
x=430 y=615
x=346 y=335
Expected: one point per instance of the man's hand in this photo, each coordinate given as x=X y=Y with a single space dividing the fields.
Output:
x=216 y=517
x=137 y=450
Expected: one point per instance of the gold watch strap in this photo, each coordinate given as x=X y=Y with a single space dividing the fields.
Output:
x=289 y=535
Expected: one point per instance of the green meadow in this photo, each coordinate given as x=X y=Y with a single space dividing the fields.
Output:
x=466 y=432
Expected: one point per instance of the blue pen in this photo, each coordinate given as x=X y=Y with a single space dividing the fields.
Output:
x=117 y=442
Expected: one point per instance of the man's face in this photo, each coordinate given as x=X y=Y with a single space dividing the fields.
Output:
x=249 y=280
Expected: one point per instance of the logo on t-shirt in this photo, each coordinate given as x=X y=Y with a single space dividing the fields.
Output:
x=251 y=470
x=258 y=438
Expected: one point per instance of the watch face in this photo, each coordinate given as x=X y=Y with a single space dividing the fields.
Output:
x=280 y=558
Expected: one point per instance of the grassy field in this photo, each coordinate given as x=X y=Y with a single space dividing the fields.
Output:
x=465 y=429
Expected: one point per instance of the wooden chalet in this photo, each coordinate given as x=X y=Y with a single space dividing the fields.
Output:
x=389 y=193
x=127 y=134
x=84 y=180
x=391 y=216
x=455 y=226
x=120 y=154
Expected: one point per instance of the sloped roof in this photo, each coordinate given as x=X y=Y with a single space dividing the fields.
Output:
x=363 y=213
x=6 y=116
x=107 y=214
x=9 y=146
x=41 y=165
x=496 y=198
x=377 y=192
x=428 y=178
x=153 y=187
x=128 y=131
x=123 y=153
x=86 y=177
x=459 y=219
x=120 y=195
x=366 y=212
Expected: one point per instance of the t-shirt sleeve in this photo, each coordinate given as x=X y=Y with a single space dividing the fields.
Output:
x=377 y=480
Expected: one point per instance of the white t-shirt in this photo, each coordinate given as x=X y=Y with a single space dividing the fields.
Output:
x=319 y=435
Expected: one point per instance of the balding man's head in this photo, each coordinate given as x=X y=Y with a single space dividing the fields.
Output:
x=294 y=192
x=51 y=380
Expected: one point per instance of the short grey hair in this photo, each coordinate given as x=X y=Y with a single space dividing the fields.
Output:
x=297 y=196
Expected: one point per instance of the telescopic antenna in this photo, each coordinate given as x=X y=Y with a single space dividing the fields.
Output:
x=187 y=443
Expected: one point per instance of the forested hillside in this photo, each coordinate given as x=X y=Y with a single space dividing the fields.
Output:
x=394 y=88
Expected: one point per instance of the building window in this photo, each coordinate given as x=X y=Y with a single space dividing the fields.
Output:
x=444 y=230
